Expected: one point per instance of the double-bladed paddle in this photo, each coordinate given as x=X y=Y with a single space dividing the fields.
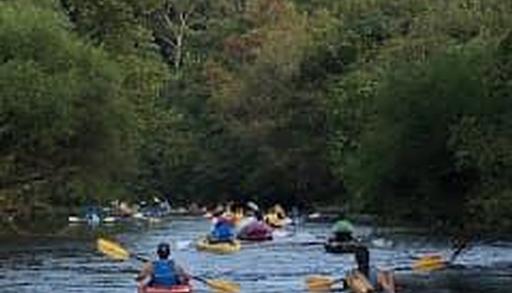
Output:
x=434 y=262
x=116 y=251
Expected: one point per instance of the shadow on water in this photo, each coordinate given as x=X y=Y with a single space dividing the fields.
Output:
x=57 y=226
x=69 y=263
x=468 y=280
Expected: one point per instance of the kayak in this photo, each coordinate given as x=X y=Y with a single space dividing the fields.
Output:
x=255 y=231
x=274 y=221
x=91 y=220
x=358 y=283
x=74 y=219
x=220 y=248
x=173 y=289
x=321 y=218
x=256 y=238
x=341 y=247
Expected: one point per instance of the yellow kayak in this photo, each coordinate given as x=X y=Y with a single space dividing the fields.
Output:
x=276 y=217
x=277 y=221
x=220 y=248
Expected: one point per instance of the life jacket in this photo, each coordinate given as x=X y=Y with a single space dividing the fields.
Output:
x=223 y=230
x=164 y=274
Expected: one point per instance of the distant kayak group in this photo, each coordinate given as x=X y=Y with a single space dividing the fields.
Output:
x=230 y=227
x=152 y=211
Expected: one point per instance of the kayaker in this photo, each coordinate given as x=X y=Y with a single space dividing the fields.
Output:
x=382 y=280
x=342 y=230
x=163 y=272
x=258 y=215
x=223 y=230
x=252 y=215
x=362 y=255
x=93 y=216
x=254 y=228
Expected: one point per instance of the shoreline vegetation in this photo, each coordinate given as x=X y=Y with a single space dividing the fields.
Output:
x=396 y=109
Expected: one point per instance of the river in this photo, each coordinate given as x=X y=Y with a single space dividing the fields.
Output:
x=69 y=264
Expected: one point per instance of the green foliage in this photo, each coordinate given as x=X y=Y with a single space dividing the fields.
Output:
x=62 y=110
x=393 y=107
x=116 y=24
x=428 y=83
x=404 y=152
x=258 y=102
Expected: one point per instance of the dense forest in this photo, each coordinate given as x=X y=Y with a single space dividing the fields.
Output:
x=395 y=108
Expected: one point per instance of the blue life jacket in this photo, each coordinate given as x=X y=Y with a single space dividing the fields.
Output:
x=223 y=231
x=164 y=274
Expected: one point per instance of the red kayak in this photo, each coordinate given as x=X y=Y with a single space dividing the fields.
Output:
x=173 y=289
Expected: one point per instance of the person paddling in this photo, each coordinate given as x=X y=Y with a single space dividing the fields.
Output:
x=223 y=229
x=382 y=280
x=258 y=215
x=342 y=230
x=163 y=272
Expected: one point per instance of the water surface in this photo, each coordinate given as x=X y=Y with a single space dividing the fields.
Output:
x=67 y=264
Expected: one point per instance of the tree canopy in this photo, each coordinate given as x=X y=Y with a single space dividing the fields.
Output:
x=397 y=108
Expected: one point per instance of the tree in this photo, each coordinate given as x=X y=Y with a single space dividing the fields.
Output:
x=116 y=24
x=63 y=111
x=172 y=24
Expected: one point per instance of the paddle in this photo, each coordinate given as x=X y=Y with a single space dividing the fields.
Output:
x=429 y=263
x=219 y=285
x=117 y=252
x=317 y=283
x=433 y=262
x=424 y=264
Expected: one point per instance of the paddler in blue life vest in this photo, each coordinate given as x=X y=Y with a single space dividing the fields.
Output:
x=223 y=229
x=163 y=272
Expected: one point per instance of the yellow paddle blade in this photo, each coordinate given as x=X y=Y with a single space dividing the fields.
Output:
x=318 y=283
x=314 y=288
x=319 y=287
x=319 y=279
x=112 y=249
x=429 y=263
x=223 y=286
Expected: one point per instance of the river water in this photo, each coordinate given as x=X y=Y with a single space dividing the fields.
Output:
x=71 y=264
